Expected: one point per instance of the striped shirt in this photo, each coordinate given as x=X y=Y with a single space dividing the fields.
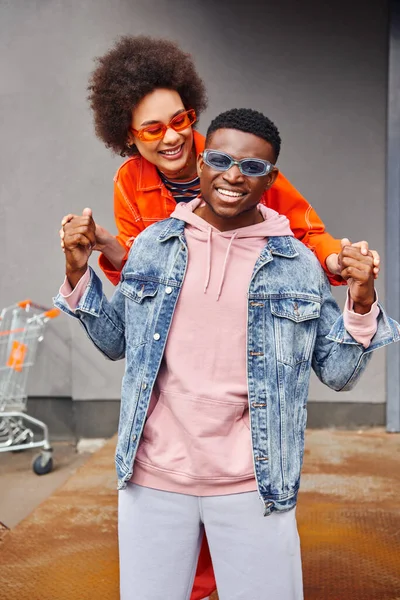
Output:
x=182 y=191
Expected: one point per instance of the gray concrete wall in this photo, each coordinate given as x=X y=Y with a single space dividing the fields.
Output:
x=317 y=69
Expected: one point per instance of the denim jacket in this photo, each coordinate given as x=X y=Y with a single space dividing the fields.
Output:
x=293 y=324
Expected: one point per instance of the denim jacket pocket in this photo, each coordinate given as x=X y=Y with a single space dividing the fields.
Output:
x=137 y=288
x=140 y=311
x=295 y=325
x=295 y=309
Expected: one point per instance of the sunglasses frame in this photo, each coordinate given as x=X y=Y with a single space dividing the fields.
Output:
x=266 y=164
x=139 y=133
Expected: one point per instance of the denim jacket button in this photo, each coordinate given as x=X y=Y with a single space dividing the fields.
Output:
x=156 y=336
x=144 y=386
x=168 y=290
x=134 y=438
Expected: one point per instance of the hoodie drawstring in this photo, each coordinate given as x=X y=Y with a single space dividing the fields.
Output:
x=225 y=263
x=273 y=225
x=208 y=273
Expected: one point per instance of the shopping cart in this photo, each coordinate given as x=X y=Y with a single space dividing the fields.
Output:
x=21 y=330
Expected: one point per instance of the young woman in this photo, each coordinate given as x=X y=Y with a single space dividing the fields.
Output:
x=146 y=97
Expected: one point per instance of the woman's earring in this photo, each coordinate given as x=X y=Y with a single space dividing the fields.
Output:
x=131 y=147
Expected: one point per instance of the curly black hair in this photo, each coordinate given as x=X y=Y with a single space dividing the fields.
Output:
x=133 y=68
x=249 y=121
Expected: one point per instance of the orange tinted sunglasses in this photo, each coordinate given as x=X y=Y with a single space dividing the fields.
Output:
x=154 y=132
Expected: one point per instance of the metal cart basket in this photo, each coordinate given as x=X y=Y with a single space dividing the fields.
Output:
x=21 y=330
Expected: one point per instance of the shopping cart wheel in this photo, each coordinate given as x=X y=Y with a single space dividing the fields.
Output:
x=43 y=464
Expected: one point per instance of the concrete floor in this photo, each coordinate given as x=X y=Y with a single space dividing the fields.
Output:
x=22 y=491
x=348 y=516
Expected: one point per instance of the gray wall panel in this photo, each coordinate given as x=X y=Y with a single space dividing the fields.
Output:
x=319 y=71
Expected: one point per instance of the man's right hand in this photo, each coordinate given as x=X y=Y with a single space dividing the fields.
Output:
x=79 y=239
x=103 y=236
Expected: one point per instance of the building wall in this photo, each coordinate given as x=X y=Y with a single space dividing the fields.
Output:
x=318 y=70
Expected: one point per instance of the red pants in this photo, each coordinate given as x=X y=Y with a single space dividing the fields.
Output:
x=204 y=583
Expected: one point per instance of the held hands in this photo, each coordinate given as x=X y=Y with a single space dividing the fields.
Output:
x=78 y=240
x=104 y=242
x=332 y=262
x=357 y=268
x=102 y=235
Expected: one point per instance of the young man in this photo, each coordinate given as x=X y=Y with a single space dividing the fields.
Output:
x=220 y=314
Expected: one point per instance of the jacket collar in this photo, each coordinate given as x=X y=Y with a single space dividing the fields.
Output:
x=279 y=246
x=149 y=179
x=282 y=246
x=174 y=228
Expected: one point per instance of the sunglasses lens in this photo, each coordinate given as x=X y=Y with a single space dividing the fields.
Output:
x=157 y=131
x=154 y=132
x=253 y=168
x=183 y=121
x=218 y=161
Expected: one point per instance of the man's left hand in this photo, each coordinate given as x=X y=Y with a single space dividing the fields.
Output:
x=357 y=268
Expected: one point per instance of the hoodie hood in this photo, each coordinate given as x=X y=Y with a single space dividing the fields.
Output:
x=274 y=224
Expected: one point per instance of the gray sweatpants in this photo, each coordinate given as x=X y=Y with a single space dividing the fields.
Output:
x=160 y=534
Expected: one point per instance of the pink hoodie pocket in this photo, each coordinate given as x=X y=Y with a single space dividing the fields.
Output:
x=198 y=438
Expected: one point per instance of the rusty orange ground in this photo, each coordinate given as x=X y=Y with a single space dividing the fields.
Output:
x=348 y=514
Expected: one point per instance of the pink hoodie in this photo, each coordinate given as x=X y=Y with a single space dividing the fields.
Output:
x=196 y=439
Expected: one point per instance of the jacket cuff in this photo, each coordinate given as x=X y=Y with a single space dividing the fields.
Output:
x=73 y=296
x=90 y=301
x=361 y=327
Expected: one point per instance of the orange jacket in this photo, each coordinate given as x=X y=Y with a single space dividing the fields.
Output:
x=140 y=199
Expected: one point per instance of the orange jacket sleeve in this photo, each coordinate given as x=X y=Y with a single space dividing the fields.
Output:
x=304 y=222
x=129 y=224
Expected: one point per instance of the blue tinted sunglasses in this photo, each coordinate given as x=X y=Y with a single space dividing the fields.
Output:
x=250 y=167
